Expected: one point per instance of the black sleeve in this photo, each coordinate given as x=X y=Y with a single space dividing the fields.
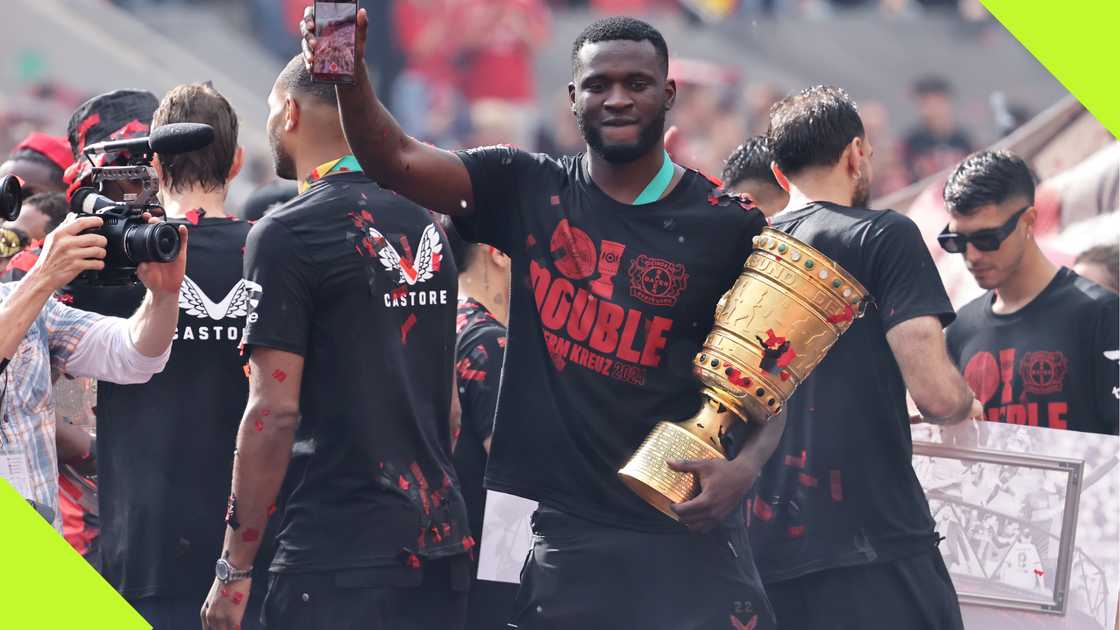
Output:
x=904 y=280
x=1106 y=367
x=497 y=176
x=280 y=284
x=479 y=367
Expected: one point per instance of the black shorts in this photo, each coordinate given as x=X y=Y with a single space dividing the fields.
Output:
x=586 y=576
x=914 y=593
x=357 y=599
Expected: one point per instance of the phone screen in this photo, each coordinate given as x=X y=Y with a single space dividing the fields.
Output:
x=335 y=56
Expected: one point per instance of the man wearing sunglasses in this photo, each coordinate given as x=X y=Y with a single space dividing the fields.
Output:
x=1033 y=348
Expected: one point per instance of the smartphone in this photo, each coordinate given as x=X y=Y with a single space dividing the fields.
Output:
x=335 y=32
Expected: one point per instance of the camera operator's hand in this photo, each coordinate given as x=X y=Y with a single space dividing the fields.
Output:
x=165 y=277
x=307 y=31
x=67 y=252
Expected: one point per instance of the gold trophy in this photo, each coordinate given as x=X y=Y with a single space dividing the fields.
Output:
x=787 y=308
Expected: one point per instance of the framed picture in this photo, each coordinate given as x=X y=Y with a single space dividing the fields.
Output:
x=1008 y=521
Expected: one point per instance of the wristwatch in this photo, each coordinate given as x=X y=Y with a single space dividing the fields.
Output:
x=227 y=573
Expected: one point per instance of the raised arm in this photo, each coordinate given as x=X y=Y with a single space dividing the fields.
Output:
x=428 y=175
x=938 y=390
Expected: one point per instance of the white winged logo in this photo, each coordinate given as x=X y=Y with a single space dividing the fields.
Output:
x=421 y=267
x=196 y=303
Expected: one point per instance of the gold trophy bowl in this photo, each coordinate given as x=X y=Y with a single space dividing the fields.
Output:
x=785 y=311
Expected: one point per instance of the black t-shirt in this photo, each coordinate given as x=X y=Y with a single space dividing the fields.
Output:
x=165 y=448
x=1052 y=363
x=840 y=489
x=610 y=302
x=479 y=349
x=360 y=283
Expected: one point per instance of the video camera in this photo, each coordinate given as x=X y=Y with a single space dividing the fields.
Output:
x=132 y=240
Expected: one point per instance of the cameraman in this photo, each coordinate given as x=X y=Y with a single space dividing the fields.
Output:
x=37 y=333
x=165 y=448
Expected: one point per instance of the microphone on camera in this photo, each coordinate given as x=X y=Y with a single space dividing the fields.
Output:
x=168 y=139
x=88 y=201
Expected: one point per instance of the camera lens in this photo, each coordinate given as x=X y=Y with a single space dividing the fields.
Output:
x=157 y=242
x=10 y=198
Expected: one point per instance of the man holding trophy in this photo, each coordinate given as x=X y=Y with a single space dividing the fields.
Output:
x=619 y=258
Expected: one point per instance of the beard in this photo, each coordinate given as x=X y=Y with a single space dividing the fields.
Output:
x=861 y=196
x=282 y=161
x=622 y=153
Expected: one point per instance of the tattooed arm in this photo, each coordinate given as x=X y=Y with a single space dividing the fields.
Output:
x=264 y=447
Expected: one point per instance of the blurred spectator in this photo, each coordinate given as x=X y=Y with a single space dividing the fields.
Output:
x=39 y=161
x=886 y=160
x=938 y=142
x=559 y=135
x=500 y=39
x=426 y=34
x=12 y=241
x=1101 y=264
x=41 y=214
x=747 y=171
x=706 y=112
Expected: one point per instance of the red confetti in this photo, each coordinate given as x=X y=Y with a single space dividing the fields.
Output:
x=279 y=375
x=844 y=316
x=713 y=200
x=798 y=462
x=784 y=375
x=1039 y=572
x=266 y=413
x=808 y=481
x=796 y=531
x=365 y=213
x=763 y=510
x=194 y=216
x=413 y=561
x=468 y=543
x=467 y=373
x=407 y=326
x=238 y=597
x=554 y=200
x=773 y=341
x=271 y=510
x=837 y=485
x=739 y=625
x=224 y=591
x=65 y=298
x=787 y=357
x=736 y=378
x=447 y=529
x=250 y=535
x=403 y=483
x=258 y=425
x=530 y=241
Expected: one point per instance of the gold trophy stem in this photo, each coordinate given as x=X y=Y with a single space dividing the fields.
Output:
x=648 y=474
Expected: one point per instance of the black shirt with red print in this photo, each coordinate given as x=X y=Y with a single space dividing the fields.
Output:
x=1052 y=363
x=840 y=489
x=610 y=303
x=479 y=348
x=360 y=283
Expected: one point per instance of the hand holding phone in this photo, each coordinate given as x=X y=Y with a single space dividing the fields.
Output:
x=332 y=43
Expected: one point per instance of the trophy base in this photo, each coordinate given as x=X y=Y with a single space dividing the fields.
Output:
x=648 y=474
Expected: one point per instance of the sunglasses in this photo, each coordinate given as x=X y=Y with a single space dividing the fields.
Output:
x=987 y=240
